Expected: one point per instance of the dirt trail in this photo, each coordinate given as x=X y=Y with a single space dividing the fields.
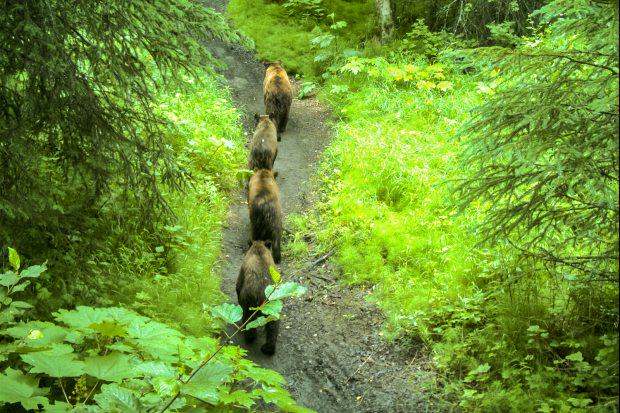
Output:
x=329 y=349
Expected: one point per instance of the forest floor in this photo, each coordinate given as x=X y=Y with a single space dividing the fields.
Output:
x=330 y=347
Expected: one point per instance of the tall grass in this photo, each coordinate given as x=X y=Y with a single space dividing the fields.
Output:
x=389 y=201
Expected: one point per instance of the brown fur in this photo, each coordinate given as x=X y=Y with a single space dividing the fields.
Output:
x=253 y=278
x=278 y=95
x=265 y=209
x=264 y=148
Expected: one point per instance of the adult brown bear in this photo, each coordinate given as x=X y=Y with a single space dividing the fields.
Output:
x=264 y=148
x=253 y=278
x=278 y=94
x=265 y=209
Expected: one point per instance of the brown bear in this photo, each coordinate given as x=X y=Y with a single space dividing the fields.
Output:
x=278 y=94
x=264 y=148
x=253 y=278
x=265 y=209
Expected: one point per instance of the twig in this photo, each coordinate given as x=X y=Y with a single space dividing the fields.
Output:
x=90 y=393
x=288 y=231
x=324 y=257
x=359 y=368
x=62 y=387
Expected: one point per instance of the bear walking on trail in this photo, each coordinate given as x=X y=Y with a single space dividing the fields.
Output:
x=253 y=278
x=264 y=148
x=265 y=209
x=278 y=94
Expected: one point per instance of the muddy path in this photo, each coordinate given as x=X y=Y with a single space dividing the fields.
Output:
x=330 y=349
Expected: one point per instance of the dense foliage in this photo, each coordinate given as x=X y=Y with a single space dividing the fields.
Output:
x=78 y=128
x=475 y=190
x=471 y=18
x=98 y=100
x=546 y=145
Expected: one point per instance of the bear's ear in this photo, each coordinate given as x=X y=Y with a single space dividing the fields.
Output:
x=275 y=174
x=272 y=116
x=250 y=243
x=266 y=64
x=256 y=117
x=268 y=245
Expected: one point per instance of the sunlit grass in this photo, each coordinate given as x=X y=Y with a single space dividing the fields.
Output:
x=390 y=167
x=279 y=36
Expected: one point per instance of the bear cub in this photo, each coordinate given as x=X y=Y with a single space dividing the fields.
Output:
x=264 y=147
x=265 y=209
x=253 y=278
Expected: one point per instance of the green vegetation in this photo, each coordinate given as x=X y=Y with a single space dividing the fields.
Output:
x=174 y=279
x=113 y=359
x=285 y=33
x=475 y=189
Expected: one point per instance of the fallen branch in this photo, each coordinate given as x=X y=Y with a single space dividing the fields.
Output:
x=323 y=258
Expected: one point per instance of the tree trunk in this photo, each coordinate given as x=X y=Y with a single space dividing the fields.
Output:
x=384 y=14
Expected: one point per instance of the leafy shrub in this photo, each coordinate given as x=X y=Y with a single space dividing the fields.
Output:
x=309 y=9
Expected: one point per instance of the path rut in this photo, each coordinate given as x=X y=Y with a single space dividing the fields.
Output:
x=330 y=350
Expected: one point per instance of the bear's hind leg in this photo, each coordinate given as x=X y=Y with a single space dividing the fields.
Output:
x=248 y=335
x=271 y=330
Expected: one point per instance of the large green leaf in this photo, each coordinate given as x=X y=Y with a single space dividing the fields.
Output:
x=259 y=321
x=237 y=397
x=82 y=317
x=205 y=383
x=266 y=376
x=37 y=333
x=114 y=398
x=109 y=329
x=287 y=289
x=150 y=337
x=33 y=271
x=113 y=367
x=59 y=361
x=8 y=278
x=155 y=369
x=273 y=307
x=281 y=398
x=230 y=313
x=59 y=407
x=165 y=386
x=14 y=259
x=16 y=386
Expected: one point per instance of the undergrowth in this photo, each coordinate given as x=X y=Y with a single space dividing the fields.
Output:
x=209 y=141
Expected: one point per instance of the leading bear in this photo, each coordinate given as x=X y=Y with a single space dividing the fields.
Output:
x=254 y=277
x=278 y=94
